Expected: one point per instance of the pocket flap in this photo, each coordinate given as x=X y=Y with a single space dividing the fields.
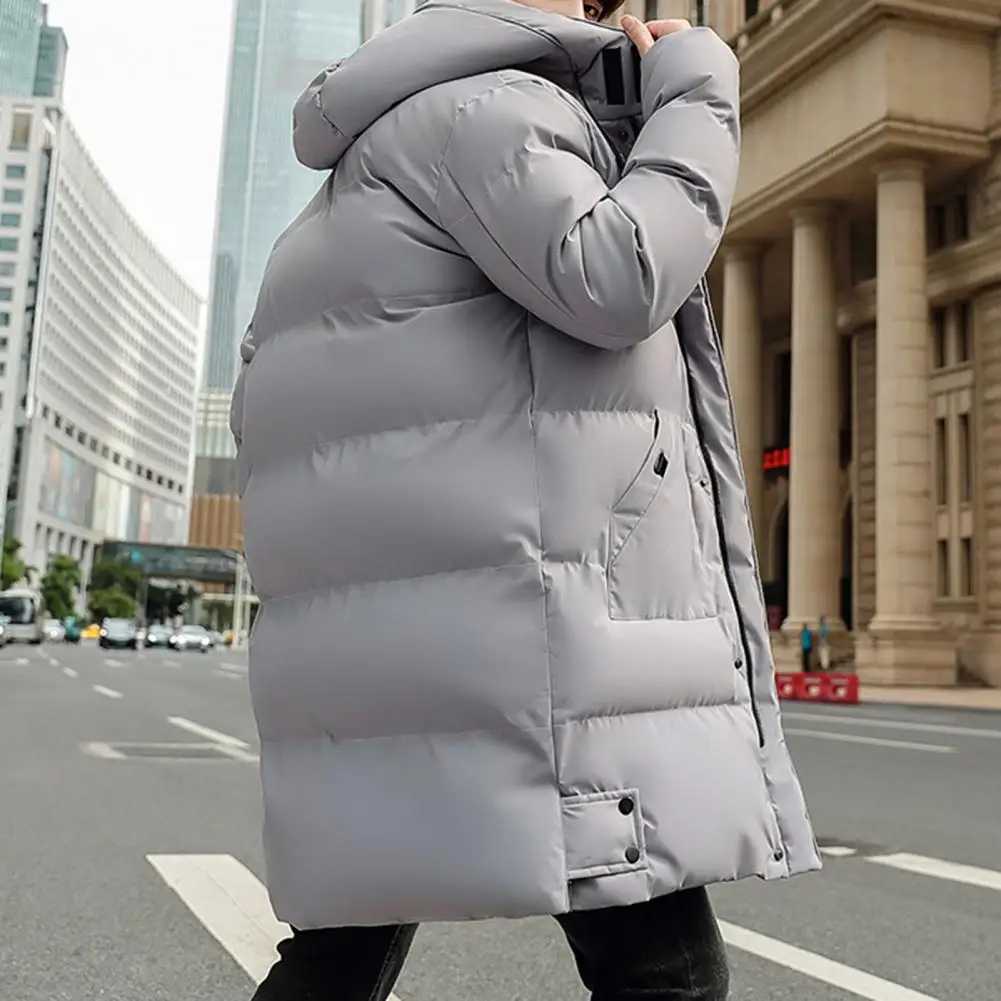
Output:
x=603 y=833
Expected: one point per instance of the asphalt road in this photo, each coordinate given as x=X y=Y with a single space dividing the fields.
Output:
x=130 y=858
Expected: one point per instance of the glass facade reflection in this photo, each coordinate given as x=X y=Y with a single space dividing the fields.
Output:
x=278 y=47
x=20 y=28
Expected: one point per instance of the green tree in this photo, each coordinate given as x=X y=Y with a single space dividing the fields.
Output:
x=114 y=587
x=14 y=569
x=62 y=578
x=111 y=603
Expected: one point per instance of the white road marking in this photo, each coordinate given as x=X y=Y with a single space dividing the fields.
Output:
x=99 y=749
x=838 y=851
x=955 y=872
x=895 y=724
x=111 y=662
x=230 y=675
x=109 y=692
x=230 y=901
x=70 y=673
x=171 y=663
x=22 y=661
x=857 y=982
x=208 y=733
x=851 y=738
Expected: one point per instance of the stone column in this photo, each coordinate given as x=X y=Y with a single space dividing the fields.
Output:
x=904 y=645
x=742 y=347
x=814 y=464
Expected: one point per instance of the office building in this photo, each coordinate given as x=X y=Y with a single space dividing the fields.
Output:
x=99 y=342
x=20 y=30
x=278 y=46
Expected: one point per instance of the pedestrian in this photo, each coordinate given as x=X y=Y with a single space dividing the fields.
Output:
x=823 y=644
x=806 y=646
x=511 y=657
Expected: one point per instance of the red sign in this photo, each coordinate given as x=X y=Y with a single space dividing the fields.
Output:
x=796 y=686
x=776 y=459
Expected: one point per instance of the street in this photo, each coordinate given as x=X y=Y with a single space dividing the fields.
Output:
x=130 y=858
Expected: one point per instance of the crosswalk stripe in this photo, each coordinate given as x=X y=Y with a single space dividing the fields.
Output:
x=955 y=872
x=230 y=902
x=857 y=982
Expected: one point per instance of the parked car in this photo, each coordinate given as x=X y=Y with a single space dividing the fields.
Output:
x=55 y=632
x=192 y=637
x=4 y=623
x=118 y=634
x=158 y=635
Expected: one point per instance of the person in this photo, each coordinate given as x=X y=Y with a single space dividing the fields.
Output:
x=806 y=647
x=511 y=657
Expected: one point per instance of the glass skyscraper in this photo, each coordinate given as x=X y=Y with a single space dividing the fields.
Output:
x=278 y=46
x=20 y=28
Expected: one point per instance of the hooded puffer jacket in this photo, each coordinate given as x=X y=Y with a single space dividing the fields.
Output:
x=512 y=656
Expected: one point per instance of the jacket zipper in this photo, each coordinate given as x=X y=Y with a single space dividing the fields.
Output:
x=720 y=527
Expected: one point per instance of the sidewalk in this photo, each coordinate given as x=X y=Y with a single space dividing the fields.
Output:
x=939 y=698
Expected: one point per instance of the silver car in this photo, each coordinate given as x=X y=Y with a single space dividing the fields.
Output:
x=192 y=638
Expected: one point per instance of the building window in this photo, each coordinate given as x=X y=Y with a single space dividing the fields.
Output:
x=948 y=221
x=699 y=12
x=8 y=244
x=963 y=338
x=4 y=319
x=7 y=269
x=15 y=172
x=967 y=577
x=20 y=132
x=650 y=12
x=965 y=460
x=938 y=338
x=938 y=235
x=3 y=369
x=941 y=464
x=6 y=294
x=13 y=196
x=10 y=220
x=751 y=9
x=942 y=559
x=783 y=396
x=4 y=343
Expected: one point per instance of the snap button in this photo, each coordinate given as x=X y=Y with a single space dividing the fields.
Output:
x=738 y=663
x=626 y=806
x=632 y=854
x=778 y=855
x=704 y=483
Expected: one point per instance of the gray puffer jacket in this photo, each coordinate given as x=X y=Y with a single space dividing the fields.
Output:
x=512 y=656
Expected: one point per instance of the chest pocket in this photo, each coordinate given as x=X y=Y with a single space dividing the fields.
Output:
x=655 y=567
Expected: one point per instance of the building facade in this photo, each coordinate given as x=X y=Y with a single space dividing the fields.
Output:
x=20 y=30
x=99 y=341
x=859 y=293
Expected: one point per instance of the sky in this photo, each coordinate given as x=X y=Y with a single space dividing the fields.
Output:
x=145 y=89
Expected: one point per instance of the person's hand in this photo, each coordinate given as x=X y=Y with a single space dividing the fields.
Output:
x=644 y=35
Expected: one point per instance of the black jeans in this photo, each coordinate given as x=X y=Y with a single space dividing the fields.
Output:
x=669 y=949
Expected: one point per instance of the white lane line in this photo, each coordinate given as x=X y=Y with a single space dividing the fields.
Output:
x=895 y=724
x=232 y=904
x=852 y=738
x=70 y=673
x=108 y=692
x=955 y=872
x=171 y=663
x=838 y=851
x=208 y=733
x=111 y=662
x=857 y=982
x=228 y=675
x=99 y=749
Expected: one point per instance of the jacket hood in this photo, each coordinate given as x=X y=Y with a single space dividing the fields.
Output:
x=451 y=39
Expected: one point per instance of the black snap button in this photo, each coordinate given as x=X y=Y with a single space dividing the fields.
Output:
x=778 y=855
x=704 y=484
x=626 y=806
x=632 y=854
x=738 y=663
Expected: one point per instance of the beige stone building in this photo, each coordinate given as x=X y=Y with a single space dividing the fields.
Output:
x=859 y=298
